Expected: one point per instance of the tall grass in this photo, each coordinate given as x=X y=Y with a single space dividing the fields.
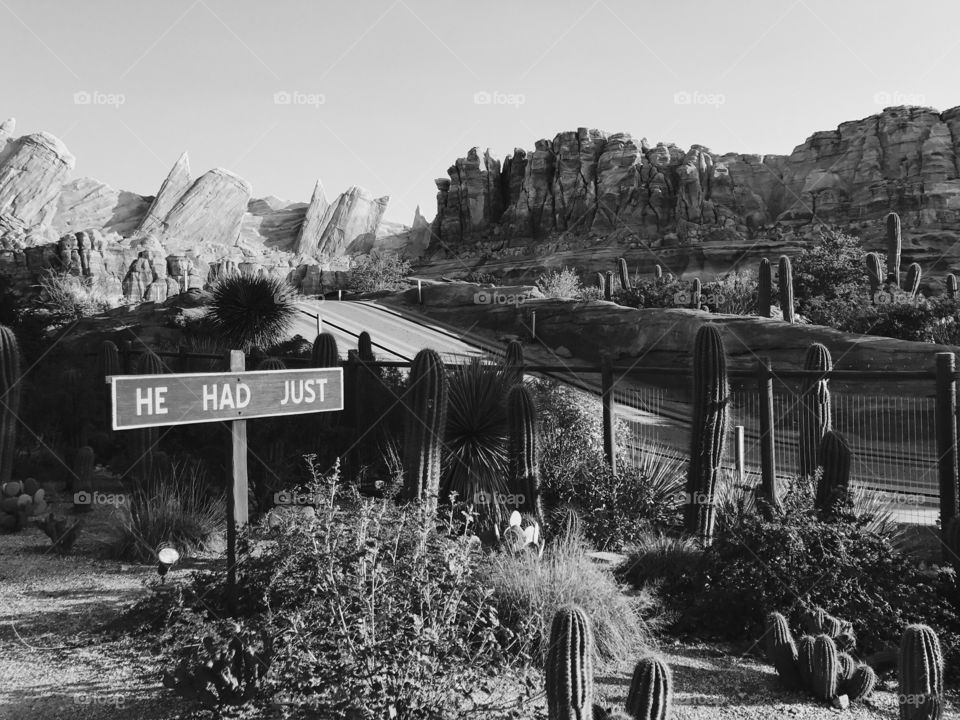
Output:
x=75 y=297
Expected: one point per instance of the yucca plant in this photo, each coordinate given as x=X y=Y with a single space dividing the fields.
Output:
x=475 y=457
x=252 y=311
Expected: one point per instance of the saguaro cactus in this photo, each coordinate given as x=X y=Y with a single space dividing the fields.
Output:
x=9 y=400
x=146 y=440
x=825 y=668
x=657 y=273
x=764 y=288
x=695 y=292
x=325 y=353
x=569 y=667
x=522 y=450
x=711 y=397
x=651 y=690
x=782 y=650
x=914 y=273
x=426 y=405
x=624 y=273
x=513 y=360
x=815 y=408
x=894 y=244
x=785 y=282
x=365 y=348
x=608 y=286
x=920 y=674
x=108 y=364
x=835 y=460
x=602 y=283
x=874 y=274
x=951 y=286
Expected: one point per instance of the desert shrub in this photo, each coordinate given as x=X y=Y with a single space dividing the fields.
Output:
x=657 y=557
x=71 y=297
x=377 y=271
x=371 y=610
x=734 y=293
x=590 y=292
x=564 y=284
x=527 y=590
x=667 y=292
x=833 y=266
x=252 y=311
x=178 y=510
x=797 y=559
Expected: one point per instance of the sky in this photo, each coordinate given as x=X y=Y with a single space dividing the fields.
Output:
x=386 y=94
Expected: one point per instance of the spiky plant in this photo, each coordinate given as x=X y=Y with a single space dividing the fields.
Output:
x=425 y=400
x=815 y=407
x=835 y=458
x=782 y=650
x=651 y=690
x=569 y=667
x=475 y=459
x=522 y=447
x=249 y=311
x=920 y=674
x=785 y=282
x=764 y=288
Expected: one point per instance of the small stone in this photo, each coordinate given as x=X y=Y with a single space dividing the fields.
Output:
x=841 y=702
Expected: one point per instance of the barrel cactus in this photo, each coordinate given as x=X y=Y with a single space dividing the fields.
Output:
x=914 y=274
x=569 y=666
x=325 y=353
x=805 y=661
x=426 y=404
x=835 y=458
x=814 y=408
x=860 y=683
x=764 y=288
x=782 y=650
x=10 y=388
x=522 y=451
x=846 y=666
x=825 y=668
x=624 y=274
x=651 y=690
x=920 y=674
x=875 y=274
x=365 y=348
x=894 y=245
x=785 y=281
x=951 y=286
x=272 y=363
x=711 y=398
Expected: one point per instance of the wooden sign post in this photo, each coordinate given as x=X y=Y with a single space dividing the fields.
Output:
x=140 y=401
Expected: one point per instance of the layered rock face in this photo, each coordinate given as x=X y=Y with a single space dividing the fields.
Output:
x=588 y=184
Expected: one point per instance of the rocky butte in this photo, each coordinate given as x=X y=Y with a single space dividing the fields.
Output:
x=581 y=199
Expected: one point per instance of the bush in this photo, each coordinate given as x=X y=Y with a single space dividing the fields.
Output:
x=249 y=312
x=178 y=510
x=834 y=266
x=658 y=557
x=69 y=297
x=527 y=591
x=563 y=284
x=377 y=271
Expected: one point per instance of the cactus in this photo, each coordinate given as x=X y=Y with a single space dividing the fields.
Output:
x=874 y=274
x=365 y=348
x=9 y=400
x=324 y=353
x=651 y=690
x=271 y=363
x=951 y=286
x=805 y=661
x=815 y=408
x=951 y=540
x=624 y=274
x=108 y=363
x=764 y=288
x=825 y=668
x=835 y=459
x=920 y=672
x=695 y=293
x=513 y=361
x=785 y=282
x=73 y=418
x=860 y=684
x=522 y=451
x=913 y=279
x=781 y=650
x=426 y=401
x=658 y=273
x=83 y=475
x=608 y=286
x=146 y=440
x=569 y=666
x=894 y=244
x=846 y=666
x=711 y=397
x=602 y=283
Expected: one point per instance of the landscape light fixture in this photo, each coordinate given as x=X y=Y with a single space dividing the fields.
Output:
x=167 y=557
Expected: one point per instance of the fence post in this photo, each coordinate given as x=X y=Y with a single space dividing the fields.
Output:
x=768 y=463
x=739 y=454
x=609 y=433
x=946 y=411
x=319 y=324
x=419 y=291
x=237 y=492
x=533 y=324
